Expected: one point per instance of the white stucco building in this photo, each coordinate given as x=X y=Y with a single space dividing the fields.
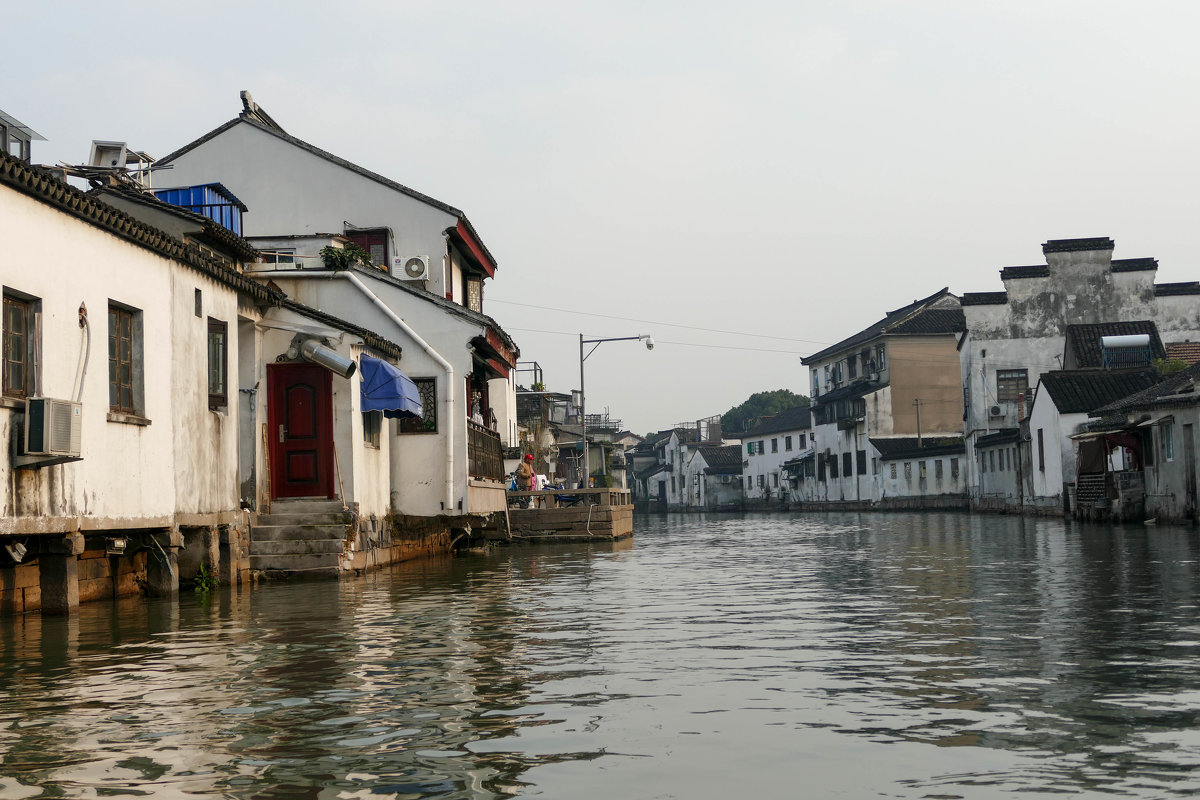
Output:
x=886 y=393
x=1015 y=335
x=423 y=290
x=123 y=342
x=770 y=443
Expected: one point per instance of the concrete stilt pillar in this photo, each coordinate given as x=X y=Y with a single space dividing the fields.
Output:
x=58 y=575
x=162 y=572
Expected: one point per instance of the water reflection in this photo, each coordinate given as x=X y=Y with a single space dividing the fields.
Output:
x=714 y=656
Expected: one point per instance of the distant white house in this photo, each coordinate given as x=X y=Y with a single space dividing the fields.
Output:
x=714 y=477
x=1060 y=412
x=768 y=445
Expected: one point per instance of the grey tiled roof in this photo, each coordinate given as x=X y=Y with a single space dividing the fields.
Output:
x=933 y=320
x=1170 y=289
x=1083 y=341
x=1037 y=271
x=1080 y=391
x=985 y=298
x=938 y=323
x=790 y=419
x=1078 y=245
x=1134 y=264
x=722 y=460
x=373 y=340
x=899 y=447
x=43 y=186
x=1178 y=389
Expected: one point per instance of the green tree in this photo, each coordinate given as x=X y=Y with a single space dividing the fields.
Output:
x=760 y=404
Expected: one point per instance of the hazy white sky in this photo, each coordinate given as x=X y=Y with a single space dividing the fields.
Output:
x=754 y=179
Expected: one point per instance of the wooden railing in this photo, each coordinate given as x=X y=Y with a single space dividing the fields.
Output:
x=485 y=456
x=559 y=498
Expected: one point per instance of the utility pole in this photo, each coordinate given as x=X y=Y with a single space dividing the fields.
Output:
x=917 y=403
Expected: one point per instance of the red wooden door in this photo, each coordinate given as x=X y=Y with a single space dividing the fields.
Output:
x=300 y=427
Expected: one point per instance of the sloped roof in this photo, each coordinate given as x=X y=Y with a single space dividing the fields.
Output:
x=654 y=439
x=1083 y=341
x=1185 y=351
x=721 y=459
x=373 y=340
x=790 y=419
x=902 y=321
x=897 y=447
x=208 y=228
x=1179 y=389
x=1080 y=391
x=256 y=117
x=43 y=186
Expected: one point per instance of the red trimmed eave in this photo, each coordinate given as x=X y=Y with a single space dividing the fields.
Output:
x=491 y=349
x=474 y=247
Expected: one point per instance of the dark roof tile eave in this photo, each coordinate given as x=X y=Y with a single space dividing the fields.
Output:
x=38 y=183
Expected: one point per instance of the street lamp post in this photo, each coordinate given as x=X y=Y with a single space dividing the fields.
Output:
x=587 y=466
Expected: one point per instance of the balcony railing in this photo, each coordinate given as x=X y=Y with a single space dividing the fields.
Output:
x=485 y=455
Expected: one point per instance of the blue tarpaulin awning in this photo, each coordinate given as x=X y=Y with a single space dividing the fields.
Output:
x=385 y=388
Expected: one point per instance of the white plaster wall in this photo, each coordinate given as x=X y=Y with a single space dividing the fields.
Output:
x=911 y=486
x=418 y=460
x=205 y=440
x=769 y=463
x=291 y=191
x=1048 y=482
x=503 y=396
x=129 y=473
x=364 y=471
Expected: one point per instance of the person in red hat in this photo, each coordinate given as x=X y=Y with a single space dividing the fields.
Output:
x=525 y=475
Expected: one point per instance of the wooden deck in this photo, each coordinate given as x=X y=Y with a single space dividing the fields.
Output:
x=572 y=515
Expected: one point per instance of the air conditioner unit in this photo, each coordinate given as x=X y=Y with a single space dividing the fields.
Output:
x=724 y=479
x=996 y=411
x=53 y=427
x=414 y=268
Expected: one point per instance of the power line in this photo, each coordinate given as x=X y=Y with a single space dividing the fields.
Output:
x=651 y=322
x=677 y=344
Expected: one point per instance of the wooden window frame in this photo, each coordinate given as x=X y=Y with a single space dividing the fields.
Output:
x=22 y=345
x=118 y=314
x=372 y=423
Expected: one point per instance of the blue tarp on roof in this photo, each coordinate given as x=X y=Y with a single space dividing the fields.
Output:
x=385 y=388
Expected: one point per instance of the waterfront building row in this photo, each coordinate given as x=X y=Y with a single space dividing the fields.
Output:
x=1054 y=396
x=225 y=354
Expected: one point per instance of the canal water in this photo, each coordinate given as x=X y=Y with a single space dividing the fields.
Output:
x=853 y=655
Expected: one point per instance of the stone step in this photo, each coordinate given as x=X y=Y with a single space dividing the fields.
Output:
x=322 y=518
x=295 y=547
x=294 y=563
x=281 y=533
x=306 y=505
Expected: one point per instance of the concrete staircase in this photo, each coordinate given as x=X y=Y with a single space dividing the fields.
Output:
x=303 y=535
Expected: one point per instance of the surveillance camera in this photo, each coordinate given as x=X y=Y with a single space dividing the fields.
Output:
x=649 y=343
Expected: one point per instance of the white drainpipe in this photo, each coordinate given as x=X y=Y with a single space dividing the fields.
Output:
x=448 y=395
